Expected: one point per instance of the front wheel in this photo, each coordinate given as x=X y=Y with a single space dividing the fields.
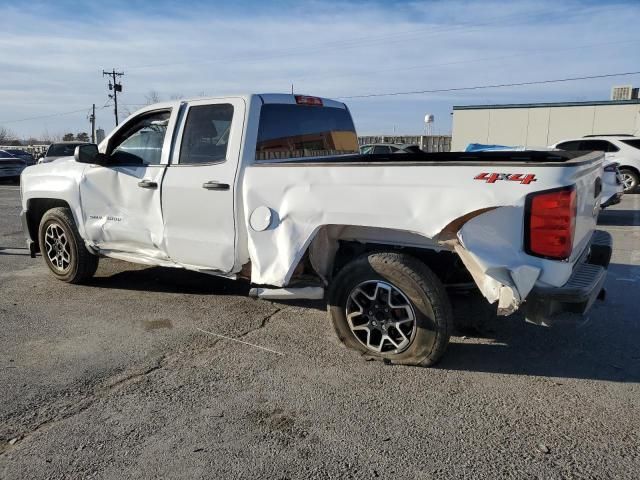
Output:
x=390 y=306
x=63 y=248
x=630 y=180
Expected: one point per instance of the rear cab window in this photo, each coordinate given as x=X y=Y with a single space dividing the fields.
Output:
x=298 y=131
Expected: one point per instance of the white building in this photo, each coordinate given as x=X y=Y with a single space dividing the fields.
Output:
x=542 y=124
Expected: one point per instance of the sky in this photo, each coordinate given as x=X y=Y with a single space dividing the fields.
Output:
x=52 y=55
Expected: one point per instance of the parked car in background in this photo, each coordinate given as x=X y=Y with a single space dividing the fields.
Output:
x=11 y=166
x=623 y=149
x=612 y=186
x=59 y=150
x=383 y=148
x=26 y=156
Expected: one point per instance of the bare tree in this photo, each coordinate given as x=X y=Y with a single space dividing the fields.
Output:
x=48 y=138
x=152 y=97
x=7 y=137
x=176 y=96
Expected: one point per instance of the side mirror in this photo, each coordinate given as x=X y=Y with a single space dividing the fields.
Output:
x=89 y=154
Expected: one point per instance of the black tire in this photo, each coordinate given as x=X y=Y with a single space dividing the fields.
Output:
x=418 y=284
x=633 y=176
x=81 y=264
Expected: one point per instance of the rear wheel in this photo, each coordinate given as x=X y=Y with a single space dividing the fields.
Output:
x=630 y=180
x=63 y=248
x=390 y=306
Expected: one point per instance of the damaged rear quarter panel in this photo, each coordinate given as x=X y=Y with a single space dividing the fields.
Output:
x=420 y=199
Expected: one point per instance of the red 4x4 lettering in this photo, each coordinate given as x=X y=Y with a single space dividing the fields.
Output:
x=523 y=178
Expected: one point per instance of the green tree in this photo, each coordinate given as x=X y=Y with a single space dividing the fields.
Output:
x=82 y=137
x=68 y=137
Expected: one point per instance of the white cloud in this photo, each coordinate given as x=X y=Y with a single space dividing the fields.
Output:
x=52 y=61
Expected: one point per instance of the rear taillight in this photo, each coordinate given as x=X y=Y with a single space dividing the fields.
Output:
x=550 y=221
x=307 y=100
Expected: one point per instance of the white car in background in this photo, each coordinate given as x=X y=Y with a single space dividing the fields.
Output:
x=622 y=149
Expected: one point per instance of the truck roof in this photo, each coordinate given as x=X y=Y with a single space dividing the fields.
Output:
x=289 y=98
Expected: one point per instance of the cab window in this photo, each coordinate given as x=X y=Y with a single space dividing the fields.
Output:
x=141 y=142
x=297 y=131
x=206 y=134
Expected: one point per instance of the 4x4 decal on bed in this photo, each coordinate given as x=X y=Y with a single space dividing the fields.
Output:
x=523 y=178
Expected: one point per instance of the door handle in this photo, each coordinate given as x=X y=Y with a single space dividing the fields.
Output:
x=147 y=184
x=213 y=185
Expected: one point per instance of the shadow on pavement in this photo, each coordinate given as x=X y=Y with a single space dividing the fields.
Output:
x=604 y=347
x=14 y=251
x=619 y=218
x=170 y=280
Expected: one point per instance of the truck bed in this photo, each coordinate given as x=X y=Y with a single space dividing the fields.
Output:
x=532 y=158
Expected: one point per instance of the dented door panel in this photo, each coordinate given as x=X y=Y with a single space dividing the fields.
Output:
x=119 y=214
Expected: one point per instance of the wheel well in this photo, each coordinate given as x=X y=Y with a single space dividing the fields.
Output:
x=36 y=208
x=445 y=264
x=628 y=167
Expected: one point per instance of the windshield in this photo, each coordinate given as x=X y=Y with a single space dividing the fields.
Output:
x=62 y=149
x=294 y=131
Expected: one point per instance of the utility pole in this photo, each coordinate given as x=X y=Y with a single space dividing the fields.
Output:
x=92 y=119
x=116 y=87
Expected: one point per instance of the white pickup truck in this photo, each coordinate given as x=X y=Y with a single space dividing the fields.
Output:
x=271 y=188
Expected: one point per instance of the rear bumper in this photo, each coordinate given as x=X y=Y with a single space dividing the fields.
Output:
x=548 y=305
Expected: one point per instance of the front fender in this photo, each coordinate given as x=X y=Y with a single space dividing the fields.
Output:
x=58 y=180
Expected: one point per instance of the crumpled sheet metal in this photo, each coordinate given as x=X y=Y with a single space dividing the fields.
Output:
x=490 y=247
x=129 y=220
x=408 y=198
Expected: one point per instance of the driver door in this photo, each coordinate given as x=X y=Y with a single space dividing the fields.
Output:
x=121 y=199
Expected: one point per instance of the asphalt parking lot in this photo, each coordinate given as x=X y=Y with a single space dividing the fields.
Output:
x=120 y=379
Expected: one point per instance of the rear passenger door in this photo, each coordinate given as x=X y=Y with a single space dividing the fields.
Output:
x=198 y=189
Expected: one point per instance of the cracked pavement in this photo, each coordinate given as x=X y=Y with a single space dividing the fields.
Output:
x=115 y=380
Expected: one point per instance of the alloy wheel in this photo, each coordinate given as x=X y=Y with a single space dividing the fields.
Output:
x=381 y=317
x=627 y=181
x=57 y=247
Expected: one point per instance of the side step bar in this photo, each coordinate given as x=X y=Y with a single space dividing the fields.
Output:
x=302 y=293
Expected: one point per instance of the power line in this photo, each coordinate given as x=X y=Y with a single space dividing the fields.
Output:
x=388 y=94
x=500 y=85
x=44 y=116
x=472 y=60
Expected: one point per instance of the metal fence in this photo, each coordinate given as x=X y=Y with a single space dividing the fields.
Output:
x=428 y=143
x=32 y=149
